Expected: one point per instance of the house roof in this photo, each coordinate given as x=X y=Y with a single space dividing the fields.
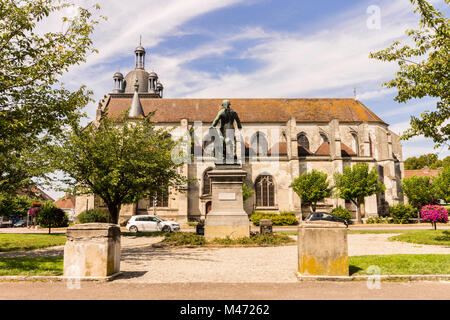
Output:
x=422 y=173
x=249 y=110
x=33 y=191
x=66 y=202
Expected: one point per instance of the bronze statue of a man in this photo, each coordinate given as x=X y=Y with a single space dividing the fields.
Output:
x=227 y=117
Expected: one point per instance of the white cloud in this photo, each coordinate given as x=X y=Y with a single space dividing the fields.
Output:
x=294 y=64
x=408 y=108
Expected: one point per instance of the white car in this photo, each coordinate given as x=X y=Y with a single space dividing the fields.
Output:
x=144 y=223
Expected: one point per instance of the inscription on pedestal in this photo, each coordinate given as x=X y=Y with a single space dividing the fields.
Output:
x=227 y=196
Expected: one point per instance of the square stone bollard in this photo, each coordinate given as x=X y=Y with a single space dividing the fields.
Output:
x=322 y=249
x=92 y=250
x=265 y=226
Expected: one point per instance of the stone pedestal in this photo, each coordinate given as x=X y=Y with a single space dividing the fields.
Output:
x=92 y=250
x=322 y=249
x=265 y=226
x=227 y=217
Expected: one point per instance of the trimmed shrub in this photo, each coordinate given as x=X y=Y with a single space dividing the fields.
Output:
x=287 y=213
x=185 y=238
x=277 y=219
x=370 y=220
x=378 y=220
x=93 y=215
x=342 y=213
x=401 y=213
x=52 y=217
x=257 y=239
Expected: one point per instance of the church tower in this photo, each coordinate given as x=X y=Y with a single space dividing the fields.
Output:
x=147 y=82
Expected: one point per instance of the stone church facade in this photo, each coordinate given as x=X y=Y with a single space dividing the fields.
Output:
x=281 y=139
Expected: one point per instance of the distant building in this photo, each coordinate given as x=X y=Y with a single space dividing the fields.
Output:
x=35 y=192
x=67 y=204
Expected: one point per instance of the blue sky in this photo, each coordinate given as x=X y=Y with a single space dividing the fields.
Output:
x=257 y=48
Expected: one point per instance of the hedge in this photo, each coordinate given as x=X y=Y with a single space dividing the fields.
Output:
x=284 y=219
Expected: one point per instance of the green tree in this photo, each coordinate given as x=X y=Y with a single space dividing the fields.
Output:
x=52 y=216
x=441 y=185
x=312 y=187
x=424 y=71
x=419 y=192
x=247 y=192
x=14 y=205
x=34 y=105
x=430 y=161
x=121 y=161
x=356 y=183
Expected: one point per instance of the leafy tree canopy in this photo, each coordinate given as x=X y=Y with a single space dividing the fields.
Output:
x=312 y=187
x=14 y=205
x=356 y=183
x=441 y=185
x=430 y=161
x=424 y=71
x=419 y=191
x=247 y=192
x=34 y=104
x=121 y=161
x=52 y=216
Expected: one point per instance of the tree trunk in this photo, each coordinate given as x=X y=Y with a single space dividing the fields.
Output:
x=359 y=211
x=313 y=207
x=434 y=224
x=49 y=228
x=114 y=213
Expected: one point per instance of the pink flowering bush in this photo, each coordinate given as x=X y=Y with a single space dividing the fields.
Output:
x=433 y=214
x=34 y=211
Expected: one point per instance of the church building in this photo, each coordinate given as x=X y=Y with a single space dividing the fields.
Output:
x=282 y=138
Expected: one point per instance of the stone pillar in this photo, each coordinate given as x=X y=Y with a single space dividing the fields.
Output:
x=227 y=217
x=92 y=250
x=322 y=249
x=265 y=226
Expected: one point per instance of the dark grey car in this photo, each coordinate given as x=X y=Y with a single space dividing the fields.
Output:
x=324 y=216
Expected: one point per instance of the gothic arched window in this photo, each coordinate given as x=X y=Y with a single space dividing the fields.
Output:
x=324 y=137
x=207 y=187
x=259 y=144
x=355 y=144
x=303 y=145
x=160 y=199
x=265 y=191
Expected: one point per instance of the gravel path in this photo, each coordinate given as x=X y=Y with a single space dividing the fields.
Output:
x=267 y=264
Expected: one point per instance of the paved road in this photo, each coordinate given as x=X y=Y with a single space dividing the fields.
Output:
x=314 y=290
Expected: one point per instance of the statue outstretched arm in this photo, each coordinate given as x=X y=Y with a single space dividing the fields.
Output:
x=238 y=121
x=216 y=120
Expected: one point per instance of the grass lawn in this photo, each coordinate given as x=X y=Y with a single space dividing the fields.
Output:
x=389 y=264
x=437 y=237
x=46 y=266
x=402 y=264
x=22 y=242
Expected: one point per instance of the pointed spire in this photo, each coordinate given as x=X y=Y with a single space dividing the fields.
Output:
x=136 y=106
